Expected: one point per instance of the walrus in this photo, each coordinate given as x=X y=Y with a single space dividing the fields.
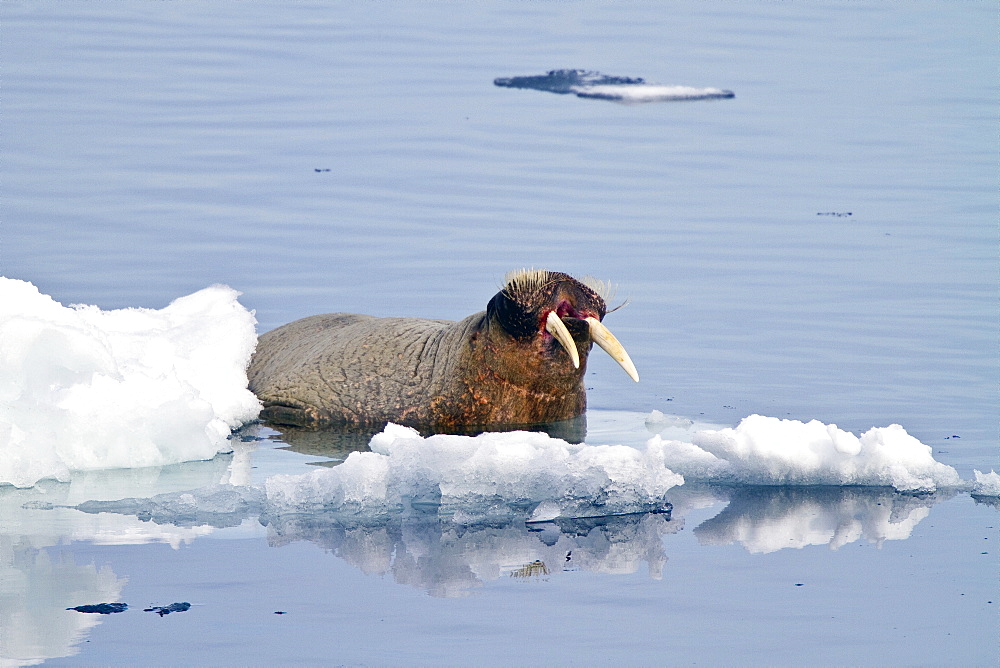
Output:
x=519 y=362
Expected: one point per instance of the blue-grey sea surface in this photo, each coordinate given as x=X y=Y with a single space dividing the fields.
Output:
x=821 y=246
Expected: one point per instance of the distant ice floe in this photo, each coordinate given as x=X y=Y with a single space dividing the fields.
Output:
x=583 y=83
x=770 y=451
x=84 y=389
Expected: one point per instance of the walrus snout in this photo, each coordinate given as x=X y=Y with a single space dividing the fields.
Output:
x=560 y=300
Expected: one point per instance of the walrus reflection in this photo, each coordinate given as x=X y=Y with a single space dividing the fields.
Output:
x=337 y=442
x=519 y=363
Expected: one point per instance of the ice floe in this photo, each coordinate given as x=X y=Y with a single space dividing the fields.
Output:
x=82 y=388
x=764 y=450
x=526 y=469
x=987 y=484
x=583 y=83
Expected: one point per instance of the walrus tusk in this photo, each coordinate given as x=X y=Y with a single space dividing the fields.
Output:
x=555 y=326
x=603 y=337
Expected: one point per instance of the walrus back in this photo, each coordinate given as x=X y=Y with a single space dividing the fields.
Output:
x=353 y=369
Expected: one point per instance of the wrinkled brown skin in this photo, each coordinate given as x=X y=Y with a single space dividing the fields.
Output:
x=438 y=375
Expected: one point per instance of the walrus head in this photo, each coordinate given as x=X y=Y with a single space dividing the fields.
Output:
x=557 y=317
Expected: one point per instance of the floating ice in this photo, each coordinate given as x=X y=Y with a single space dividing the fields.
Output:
x=650 y=93
x=770 y=451
x=216 y=505
x=493 y=469
x=987 y=484
x=656 y=421
x=82 y=388
x=603 y=87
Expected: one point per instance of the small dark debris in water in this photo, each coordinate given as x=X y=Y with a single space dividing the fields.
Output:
x=38 y=505
x=280 y=612
x=321 y=170
x=836 y=214
x=952 y=436
x=162 y=610
x=800 y=584
x=730 y=407
x=102 y=608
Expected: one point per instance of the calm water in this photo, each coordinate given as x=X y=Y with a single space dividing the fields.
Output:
x=356 y=156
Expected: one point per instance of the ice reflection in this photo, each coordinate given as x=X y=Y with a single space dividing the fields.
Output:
x=35 y=591
x=768 y=519
x=448 y=552
x=37 y=584
x=447 y=559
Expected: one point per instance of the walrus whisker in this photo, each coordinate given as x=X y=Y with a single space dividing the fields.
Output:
x=606 y=290
x=622 y=305
x=603 y=337
x=555 y=326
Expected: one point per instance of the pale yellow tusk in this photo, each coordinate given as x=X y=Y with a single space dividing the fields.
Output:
x=557 y=328
x=605 y=339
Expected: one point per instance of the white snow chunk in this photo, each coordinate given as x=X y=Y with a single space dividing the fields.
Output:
x=82 y=388
x=649 y=92
x=770 y=451
x=514 y=468
x=987 y=484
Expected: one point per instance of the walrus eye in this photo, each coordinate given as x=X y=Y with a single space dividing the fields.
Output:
x=603 y=337
x=557 y=328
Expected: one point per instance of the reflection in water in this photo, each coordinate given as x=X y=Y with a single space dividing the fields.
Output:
x=767 y=519
x=447 y=551
x=430 y=552
x=35 y=591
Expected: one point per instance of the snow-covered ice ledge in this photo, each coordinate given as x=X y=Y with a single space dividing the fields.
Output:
x=764 y=450
x=84 y=389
